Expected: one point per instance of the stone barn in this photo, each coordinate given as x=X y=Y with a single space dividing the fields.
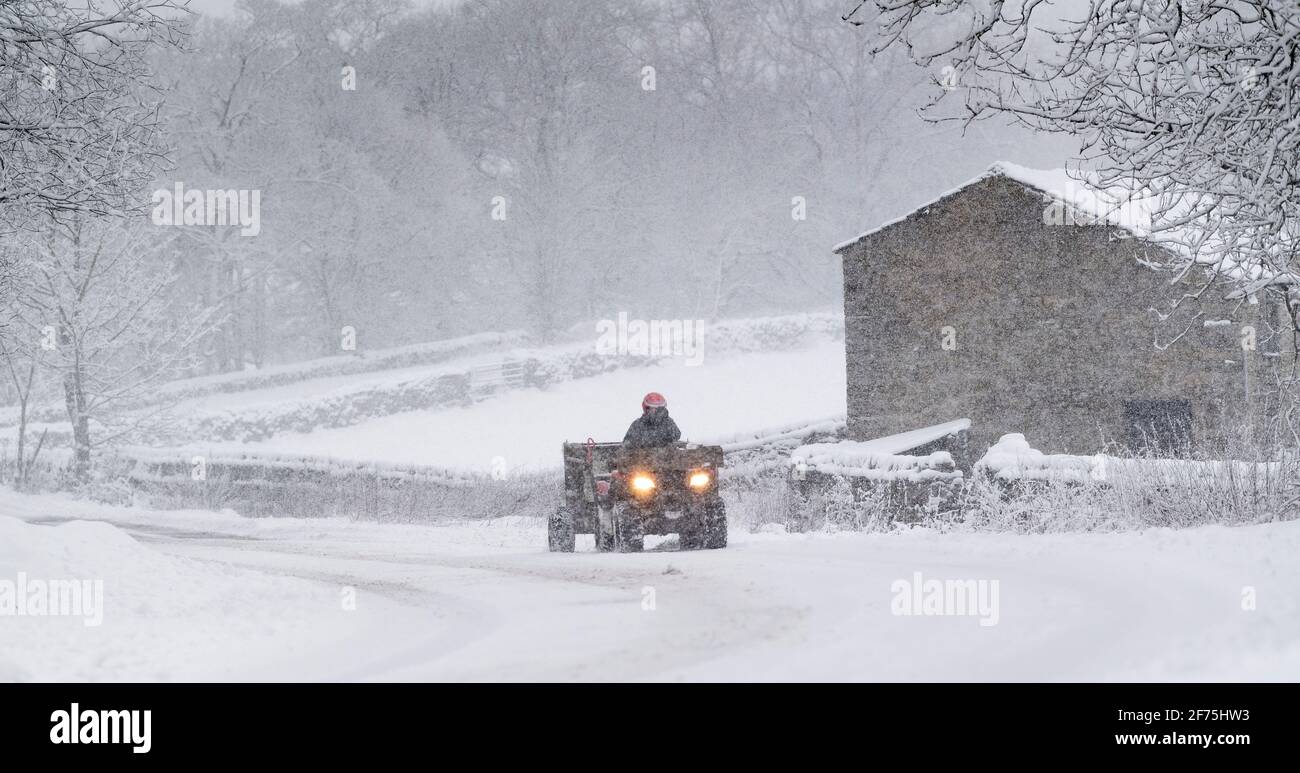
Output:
x=1016 y=302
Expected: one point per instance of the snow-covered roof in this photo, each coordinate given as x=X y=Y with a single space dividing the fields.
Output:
x=1183 y=231
x=1097 y=205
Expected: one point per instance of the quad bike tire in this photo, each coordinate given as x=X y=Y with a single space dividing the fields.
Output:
x=625 y=536
x=715 y=526
x=604 y=536
x=629 y=536
x=560 y=537
x=710 y=533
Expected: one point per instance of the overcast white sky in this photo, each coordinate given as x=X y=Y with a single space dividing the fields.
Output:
x=225 y=7
x=212 y=6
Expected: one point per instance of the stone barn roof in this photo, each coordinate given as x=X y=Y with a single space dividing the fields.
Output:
x=1088 y=204
x=1094 y=204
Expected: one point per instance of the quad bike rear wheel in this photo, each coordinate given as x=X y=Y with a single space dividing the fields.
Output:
x=560 y=537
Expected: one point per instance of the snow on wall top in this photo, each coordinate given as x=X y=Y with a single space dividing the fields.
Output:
x=1085 y=202
x=937 y=466
x=885 y=457
x=890 y=444
x=1013 y=459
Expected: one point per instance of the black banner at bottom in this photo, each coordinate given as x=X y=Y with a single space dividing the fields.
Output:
x=211 y=723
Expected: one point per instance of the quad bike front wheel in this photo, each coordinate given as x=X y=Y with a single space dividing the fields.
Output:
x=629 y=535
x=603 y=531
x=715 y=525
x=709 y=532
x=618 y=529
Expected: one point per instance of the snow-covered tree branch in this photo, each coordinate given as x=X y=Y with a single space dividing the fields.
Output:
x=78 y=117
x=99 y=317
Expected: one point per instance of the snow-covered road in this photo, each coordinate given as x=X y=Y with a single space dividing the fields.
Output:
x=230 y=597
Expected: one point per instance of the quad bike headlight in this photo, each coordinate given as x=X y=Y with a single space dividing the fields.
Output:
x=642 y=483
x=700 y=479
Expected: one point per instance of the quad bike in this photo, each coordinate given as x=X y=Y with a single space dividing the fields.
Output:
x=620 y=495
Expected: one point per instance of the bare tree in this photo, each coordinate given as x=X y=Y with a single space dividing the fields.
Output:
x=290 y=100
x=78 y=117
x=98 y=315
x=22 y=375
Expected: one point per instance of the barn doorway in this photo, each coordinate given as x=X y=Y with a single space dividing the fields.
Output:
x=1158 y=427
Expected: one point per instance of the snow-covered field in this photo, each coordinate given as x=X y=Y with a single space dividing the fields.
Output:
x=759 y=376
x=195 y=595
x=718 y=399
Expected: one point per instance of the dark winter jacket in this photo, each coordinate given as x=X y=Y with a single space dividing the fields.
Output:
x=652 y=431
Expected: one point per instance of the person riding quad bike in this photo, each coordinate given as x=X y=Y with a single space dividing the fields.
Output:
x=650 y=483
x=655 y=428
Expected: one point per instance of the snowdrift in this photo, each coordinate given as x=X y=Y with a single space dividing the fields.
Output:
x=159 y=617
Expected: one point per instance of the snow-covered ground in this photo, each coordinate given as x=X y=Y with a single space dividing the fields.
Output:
x=194 y=595
x=720 y=398
x=190 y=595
x=161 y=617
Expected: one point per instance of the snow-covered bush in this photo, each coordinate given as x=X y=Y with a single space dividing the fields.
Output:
x=758 y=503
x=1018 y=488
